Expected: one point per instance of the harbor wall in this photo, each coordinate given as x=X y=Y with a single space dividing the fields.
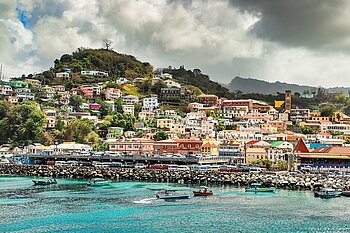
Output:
x=278 y=180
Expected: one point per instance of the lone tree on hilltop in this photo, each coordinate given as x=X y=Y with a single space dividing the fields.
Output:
x=107 y=44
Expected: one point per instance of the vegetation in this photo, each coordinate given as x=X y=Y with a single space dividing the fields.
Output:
x=161 y=135
x=21 y=124
x=202 y=81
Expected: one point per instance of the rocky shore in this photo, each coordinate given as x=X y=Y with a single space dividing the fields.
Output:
x=279 y=180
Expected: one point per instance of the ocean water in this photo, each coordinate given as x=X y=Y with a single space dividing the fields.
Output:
x=71 y=206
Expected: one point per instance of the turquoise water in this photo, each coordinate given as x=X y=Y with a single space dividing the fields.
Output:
x=70 y=206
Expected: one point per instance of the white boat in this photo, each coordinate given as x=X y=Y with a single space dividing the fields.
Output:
x=171 y=195
x=95 y=182
x=45 y=182
x=328 y=193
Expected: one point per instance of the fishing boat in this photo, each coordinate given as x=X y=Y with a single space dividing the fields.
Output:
x=328 y=193
x=256 y=187
x=45 y=182
x=203 y=191
x=171 y=195
x=96 y=182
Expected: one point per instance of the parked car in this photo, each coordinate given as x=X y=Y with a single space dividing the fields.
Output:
x=158 y=166
x=129 y=165
x=140 y=165
x=183 y=168
x=117 y=164
x=61 y=163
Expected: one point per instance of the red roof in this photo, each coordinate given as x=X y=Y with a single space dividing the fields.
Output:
x=301 y=147
x=252 y=142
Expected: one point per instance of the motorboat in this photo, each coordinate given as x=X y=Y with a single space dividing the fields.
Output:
x=203 y=191
x=96 y=182
x=257 y=187
x=45 y=182
x=171 y=195
x=328 y=193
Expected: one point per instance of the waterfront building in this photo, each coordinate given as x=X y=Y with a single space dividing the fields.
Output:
x=210 y=147
x=133 y=146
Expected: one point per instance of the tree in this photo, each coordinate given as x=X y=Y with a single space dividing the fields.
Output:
x=327 y=110
x=106 y=43
x=76 y=101
x=161 y=135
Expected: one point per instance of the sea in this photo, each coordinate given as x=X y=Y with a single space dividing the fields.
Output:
x=71 y=206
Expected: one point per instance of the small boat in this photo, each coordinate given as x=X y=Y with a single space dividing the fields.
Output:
x=204 y=191
x=328 y=193
x=45 y=182
x=256 y=187
x=96 y=182
x=171 y=195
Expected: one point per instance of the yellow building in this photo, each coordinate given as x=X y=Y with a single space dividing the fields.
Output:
x=164 y=123
x=33 y=82
x=254 y=154
x=210 y=147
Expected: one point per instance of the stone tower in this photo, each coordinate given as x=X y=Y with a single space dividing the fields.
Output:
x=288 y=100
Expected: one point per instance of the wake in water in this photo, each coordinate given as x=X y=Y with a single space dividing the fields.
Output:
x=145 y=201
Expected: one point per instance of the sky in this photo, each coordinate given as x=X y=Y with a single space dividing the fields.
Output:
x=302 y=41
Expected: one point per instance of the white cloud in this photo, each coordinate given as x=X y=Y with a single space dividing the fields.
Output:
x=214 y=36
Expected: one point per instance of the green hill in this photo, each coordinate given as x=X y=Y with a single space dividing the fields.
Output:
x=199 y=80
x=116 y=64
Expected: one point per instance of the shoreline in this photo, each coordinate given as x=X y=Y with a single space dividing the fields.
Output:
x=240 y=179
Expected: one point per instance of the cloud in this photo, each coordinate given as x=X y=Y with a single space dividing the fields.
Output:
x=274 y=40
x=314 y=24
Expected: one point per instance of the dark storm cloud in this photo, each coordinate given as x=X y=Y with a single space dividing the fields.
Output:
x=315 y=24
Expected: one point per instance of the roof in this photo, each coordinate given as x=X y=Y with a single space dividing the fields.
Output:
x=276 y=143
x=252 y=142
x=256 y=150
x=301 y=147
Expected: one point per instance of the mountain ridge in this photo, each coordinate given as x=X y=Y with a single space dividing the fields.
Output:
x=252 y=85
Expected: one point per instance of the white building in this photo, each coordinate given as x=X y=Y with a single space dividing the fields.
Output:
x=130 y=99
x=128 y=109
x=94 y=73
x=64 y=75
x=171 y=83
x=113 y=93
x=151 y=102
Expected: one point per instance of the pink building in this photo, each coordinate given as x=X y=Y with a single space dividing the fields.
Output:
x=95 y=106
x=87 y=91
x=113 y=93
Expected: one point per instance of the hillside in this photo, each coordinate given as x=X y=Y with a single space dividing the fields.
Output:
x=116 y=64
x=197 y=79
x=249 y=85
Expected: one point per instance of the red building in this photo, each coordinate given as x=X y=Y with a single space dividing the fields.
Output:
x=165 y=147
x=189 y=146
x=238 y=103
x=87 y=91
x=208 y=100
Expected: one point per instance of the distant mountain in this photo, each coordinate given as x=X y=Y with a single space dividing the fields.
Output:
x=250 y=85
